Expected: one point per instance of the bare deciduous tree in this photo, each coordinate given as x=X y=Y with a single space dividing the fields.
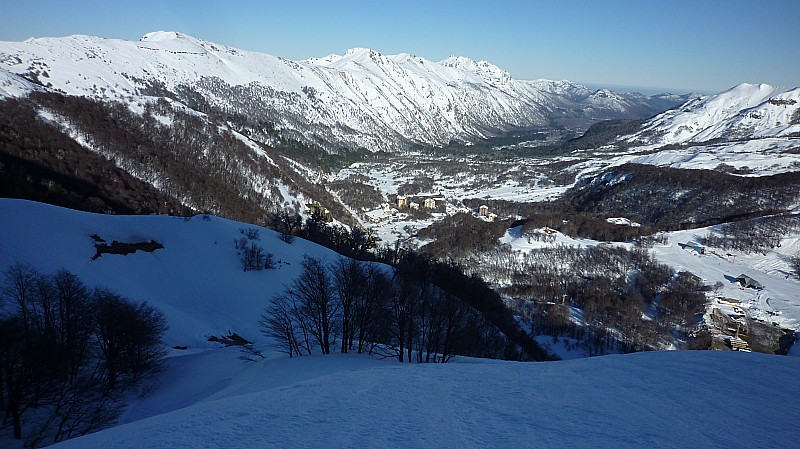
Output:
x=316 y=301
x=67 y=355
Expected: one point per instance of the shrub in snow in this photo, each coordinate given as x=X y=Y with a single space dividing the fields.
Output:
x=251 y=254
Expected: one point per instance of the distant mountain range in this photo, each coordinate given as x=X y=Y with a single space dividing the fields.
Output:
x=213 y=128
x=362 y=99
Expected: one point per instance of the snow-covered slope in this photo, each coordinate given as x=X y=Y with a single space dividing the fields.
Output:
x=12 y=85
x=664 y=399
x=196 y=279
x=778 y=302
x=359 y=99
x=742 y=112
x=206 y=397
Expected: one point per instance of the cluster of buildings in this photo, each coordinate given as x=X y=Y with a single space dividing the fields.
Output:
x=403 y=201
x=387 y=210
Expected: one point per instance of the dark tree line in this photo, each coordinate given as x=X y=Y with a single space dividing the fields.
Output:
x=461 y=234
x=354 y=242
x=193 y=160
x=364 y=307
x=502 y=332
x=420 y=184
x=356 y=193
x=670 y=199
x=286 y=223
x=613 y=288
x=660 y=198
x=251 y=254
x=68 y=353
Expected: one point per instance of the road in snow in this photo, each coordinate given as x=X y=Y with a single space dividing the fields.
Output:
x=781 y=294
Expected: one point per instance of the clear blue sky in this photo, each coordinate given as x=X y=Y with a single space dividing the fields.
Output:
x=700 y=45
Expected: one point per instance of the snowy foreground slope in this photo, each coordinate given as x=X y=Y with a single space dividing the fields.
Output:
x=196 y=279
x=664 y=399
x=206 y=397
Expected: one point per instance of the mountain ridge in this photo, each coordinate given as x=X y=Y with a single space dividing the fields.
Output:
x=362 y=99
x=745 y=111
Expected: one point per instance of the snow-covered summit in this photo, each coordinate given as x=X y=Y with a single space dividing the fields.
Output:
x=744 y=111
x=162 y=36
x=484 y=69
x=179 y=42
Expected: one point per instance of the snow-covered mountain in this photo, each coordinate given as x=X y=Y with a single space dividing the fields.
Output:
x=13 y=85
x=746 y=111
x=359 y=99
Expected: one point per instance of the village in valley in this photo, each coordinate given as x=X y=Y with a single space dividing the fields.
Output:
x=742 y=315
x=750 y=305
x=431 y=206
x=412 y=191
x=406 y=214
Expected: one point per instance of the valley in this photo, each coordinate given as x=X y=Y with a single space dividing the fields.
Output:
x=466 y=182
x=601 y=167
x=303 y=224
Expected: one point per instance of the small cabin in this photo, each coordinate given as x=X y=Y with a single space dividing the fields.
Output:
x=430 y=203
x=746 y=281
x=483 y=211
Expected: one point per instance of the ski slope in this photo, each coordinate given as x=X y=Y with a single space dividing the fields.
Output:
x=778 y=302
